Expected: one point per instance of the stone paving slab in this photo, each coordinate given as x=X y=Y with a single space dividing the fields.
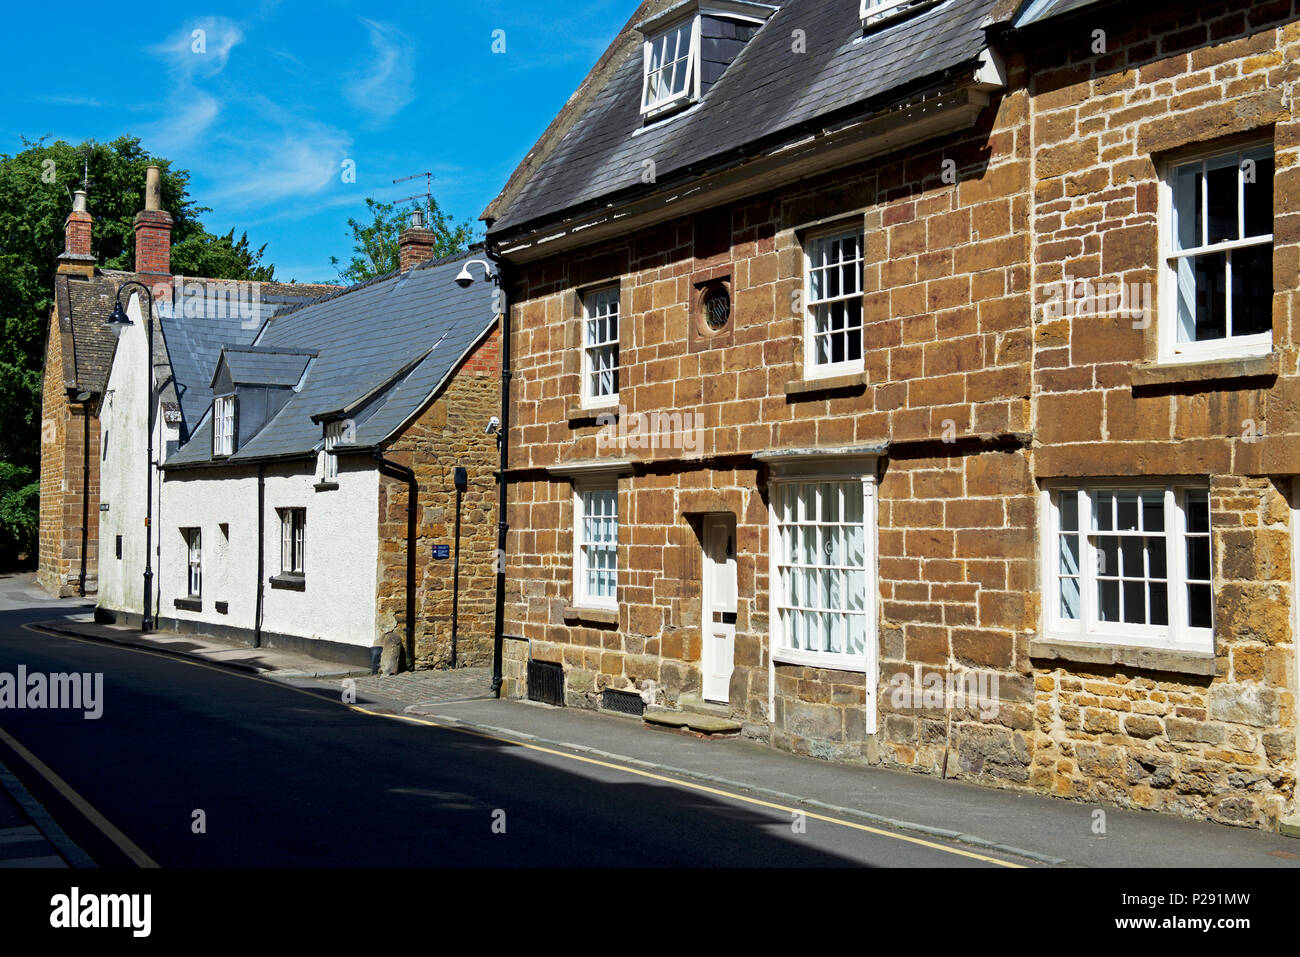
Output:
x=429 y=687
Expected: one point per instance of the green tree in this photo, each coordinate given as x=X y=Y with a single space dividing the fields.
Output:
x=36 y=186
x=374 y=244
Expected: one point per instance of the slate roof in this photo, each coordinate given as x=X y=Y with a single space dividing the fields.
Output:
x=765 y=97
x=259 y=365
x=394 y=339
x=194 y=341
x=83 y=305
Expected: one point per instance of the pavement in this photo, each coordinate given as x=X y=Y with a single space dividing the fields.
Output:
x=1038 y=829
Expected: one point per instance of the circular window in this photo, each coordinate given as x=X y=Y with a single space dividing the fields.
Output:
x=717 y=307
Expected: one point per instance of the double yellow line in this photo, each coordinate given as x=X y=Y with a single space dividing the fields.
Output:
x=143 y=860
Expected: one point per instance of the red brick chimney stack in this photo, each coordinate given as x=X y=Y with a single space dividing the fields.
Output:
x=415 y=245
x=153 y=229
x=77 y=256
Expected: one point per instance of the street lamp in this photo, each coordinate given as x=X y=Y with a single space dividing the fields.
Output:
x=118 y=321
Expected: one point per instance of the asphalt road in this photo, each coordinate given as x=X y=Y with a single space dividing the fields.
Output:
x=287 y=777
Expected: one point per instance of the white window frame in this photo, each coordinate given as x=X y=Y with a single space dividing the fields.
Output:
x=223 y=425
x=1232 y=347
x=581 y=597
x=592 y=301
x=691 y=88
x=293 y=539
x=193 y=562
x=1178 y=635
x=811 y=369
x=780 y=643
x=330 y=461
x=873 y=11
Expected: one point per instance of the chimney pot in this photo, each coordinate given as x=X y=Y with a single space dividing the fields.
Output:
x=152 y=188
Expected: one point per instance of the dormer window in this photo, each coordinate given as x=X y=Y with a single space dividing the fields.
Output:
x=672 y=68
x=223 y=425
x=877 y=11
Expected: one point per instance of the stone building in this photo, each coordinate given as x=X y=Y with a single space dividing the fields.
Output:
x=911 y=383
x=282 y=514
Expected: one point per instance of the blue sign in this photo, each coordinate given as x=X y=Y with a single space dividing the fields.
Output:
x=441 y=551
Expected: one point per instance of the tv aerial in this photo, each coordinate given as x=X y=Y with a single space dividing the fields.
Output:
x=427 y=195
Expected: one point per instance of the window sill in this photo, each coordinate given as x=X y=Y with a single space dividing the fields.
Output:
x=1148 y=659
x=1156 y=374
x=847 y=380
x=189 y=604
x=598 y=616
x=289 y=581
x=583 y=413
x=812 y=659
x=326 y=486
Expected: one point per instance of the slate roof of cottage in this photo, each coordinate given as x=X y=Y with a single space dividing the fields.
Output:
x=83 y=304
x=182 y=343
x=391 y=341
x=194 y=338
x=767 y=95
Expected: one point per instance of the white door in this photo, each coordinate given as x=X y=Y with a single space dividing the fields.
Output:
x=719 y=607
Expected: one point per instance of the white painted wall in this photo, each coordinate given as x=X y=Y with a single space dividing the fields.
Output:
x=341 y=549
x=122 y=471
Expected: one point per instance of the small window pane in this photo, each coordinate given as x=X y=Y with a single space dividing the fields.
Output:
x=1071 y=600
x=1198 y=606
x=1159 y=598
x=1252 y=290
x=1187 y=206
x=1126 y=511
x=1198 y=512
x=1221 y=178
x=1209 y=318
x=1257 y=191
x=1108 y=605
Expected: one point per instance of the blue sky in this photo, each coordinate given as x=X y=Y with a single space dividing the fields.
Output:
x=285 y=92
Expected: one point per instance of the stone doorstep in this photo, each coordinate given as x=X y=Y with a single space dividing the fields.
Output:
x=709 y=724
x=1289 y=827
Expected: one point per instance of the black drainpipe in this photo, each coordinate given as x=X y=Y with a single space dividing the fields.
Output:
x=85 y=491
x=398 y=471
x=261 y=552
x=498 y=636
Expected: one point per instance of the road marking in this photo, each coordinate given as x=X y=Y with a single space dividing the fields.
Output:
x=854 y=825
x=124 y=843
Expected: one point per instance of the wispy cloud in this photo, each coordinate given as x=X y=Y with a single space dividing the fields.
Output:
x=202 y=47
x=188 y=118
x=388 y=81
x=282 y=164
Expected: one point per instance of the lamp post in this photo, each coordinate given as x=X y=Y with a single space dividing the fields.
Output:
x=465 y=279
x=118 y=321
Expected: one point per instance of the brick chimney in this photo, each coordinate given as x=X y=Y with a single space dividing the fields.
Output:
x=153 y=229
x=416 y=243
x=76 y=256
